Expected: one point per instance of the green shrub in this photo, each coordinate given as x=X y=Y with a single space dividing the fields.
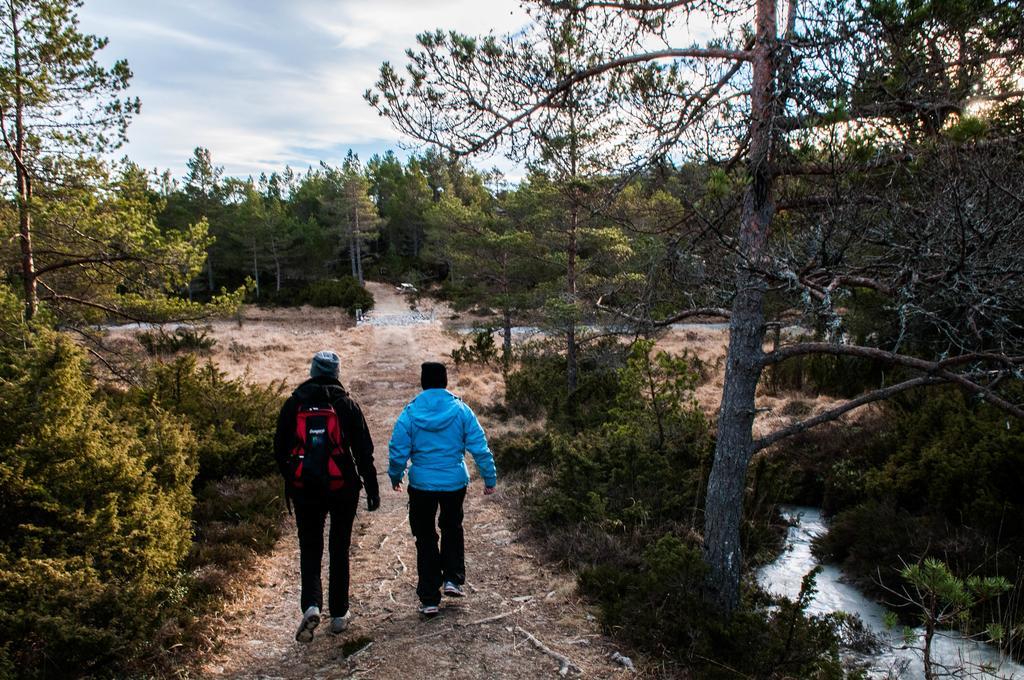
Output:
x=941 y=479
x=818 y=374
x=827 y=466
x=625 y=482
x=659 y=607
x=234 y=519
x=646 y=463
x=342 y=292
x=94 y=518
x=478 y=349
x=183 y=339
x=522 y=450
x=234 y=421
x=539 y=386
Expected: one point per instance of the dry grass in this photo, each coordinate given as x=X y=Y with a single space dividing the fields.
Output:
x=779 y=410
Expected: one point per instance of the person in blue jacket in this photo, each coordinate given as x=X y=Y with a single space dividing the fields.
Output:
x=434 y=432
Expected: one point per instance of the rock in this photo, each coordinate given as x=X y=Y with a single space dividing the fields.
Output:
x=623 y=661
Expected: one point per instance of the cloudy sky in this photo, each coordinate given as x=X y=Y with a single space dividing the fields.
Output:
x=264 y=83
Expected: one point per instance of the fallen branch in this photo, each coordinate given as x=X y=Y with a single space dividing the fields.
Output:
x=401 y=562
x=359 y=651
x=492 y=619
x=566 y=663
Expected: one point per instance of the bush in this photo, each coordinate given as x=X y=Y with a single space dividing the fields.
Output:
x=183 y=339
x=521 y=451
x=659 y=607
x=942 y=480
x=539 y=387
x=827 y=466
x=93 y=518
x=234 y=519
x=478 y=349
x=817 y=374
x=646 y=463
x=234 y=421
x=622 y=503
x=98 y=570
x=343 y=292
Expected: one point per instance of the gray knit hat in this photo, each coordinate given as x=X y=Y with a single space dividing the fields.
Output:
x=325 y=363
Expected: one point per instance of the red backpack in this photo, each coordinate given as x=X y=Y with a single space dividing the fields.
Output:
x=315 y=464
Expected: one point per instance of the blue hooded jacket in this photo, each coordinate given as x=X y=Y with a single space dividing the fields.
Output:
x=435 y=430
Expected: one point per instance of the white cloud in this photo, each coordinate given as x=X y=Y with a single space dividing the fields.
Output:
x=265 y=83
x=262 y=83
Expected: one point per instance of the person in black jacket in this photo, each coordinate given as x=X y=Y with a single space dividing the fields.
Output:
x=313 y=505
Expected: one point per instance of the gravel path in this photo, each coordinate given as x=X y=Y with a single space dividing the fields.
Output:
x=511 y=596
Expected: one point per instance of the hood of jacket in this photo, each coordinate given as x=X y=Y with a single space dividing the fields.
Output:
x=434 y=410
x=319 y=389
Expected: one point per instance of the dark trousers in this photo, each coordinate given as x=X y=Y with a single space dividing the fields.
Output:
x=310 y=516
x=449 y=563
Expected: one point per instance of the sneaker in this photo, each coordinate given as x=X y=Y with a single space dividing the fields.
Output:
x=452 y=589
x=310 y=620
x=339 y=624
x=430 y=610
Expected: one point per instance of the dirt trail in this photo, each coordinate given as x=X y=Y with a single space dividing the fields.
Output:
x=380 y=367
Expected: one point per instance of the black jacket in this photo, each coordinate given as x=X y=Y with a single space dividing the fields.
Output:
x=353 y=429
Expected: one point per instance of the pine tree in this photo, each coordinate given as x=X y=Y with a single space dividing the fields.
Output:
x=57 y=105
x=348 y=205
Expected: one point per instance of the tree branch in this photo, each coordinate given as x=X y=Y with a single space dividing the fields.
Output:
x=675 y=318
x=87 y=260
x=621 y=4
x=832 y=414
x=932 y=368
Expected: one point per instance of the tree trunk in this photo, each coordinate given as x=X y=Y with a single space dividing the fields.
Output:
x=359 y=250
x=572 y=368
x=24 y=179
x=255 y=269
x=352 y=253
x=723 y=515
x=209 y=273
x=506 y=345
x=277 y=264
x=28 y=268
x=929 y=635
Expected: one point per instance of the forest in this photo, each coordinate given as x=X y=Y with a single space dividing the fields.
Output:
x=782 y=266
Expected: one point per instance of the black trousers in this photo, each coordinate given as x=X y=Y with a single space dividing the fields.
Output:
x=310 y=516
x=449 y=563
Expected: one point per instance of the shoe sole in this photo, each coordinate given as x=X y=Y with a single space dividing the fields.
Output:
x=306 y=628
x=453 y=593
x=430 y=614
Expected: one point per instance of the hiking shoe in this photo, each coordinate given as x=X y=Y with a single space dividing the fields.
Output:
x=430 y=610
x=310 y=620
x=339 y=624
x=453 y=589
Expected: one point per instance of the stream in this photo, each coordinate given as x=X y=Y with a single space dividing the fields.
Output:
x=896 y=660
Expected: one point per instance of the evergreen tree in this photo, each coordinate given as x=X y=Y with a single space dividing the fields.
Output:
x=58 y=107
x=203 y=195
x=348 y=205
x=94 y=518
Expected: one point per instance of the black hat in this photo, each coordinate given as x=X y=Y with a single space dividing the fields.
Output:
x=433 y=376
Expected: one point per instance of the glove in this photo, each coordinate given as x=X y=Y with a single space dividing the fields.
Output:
x=372 y=503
